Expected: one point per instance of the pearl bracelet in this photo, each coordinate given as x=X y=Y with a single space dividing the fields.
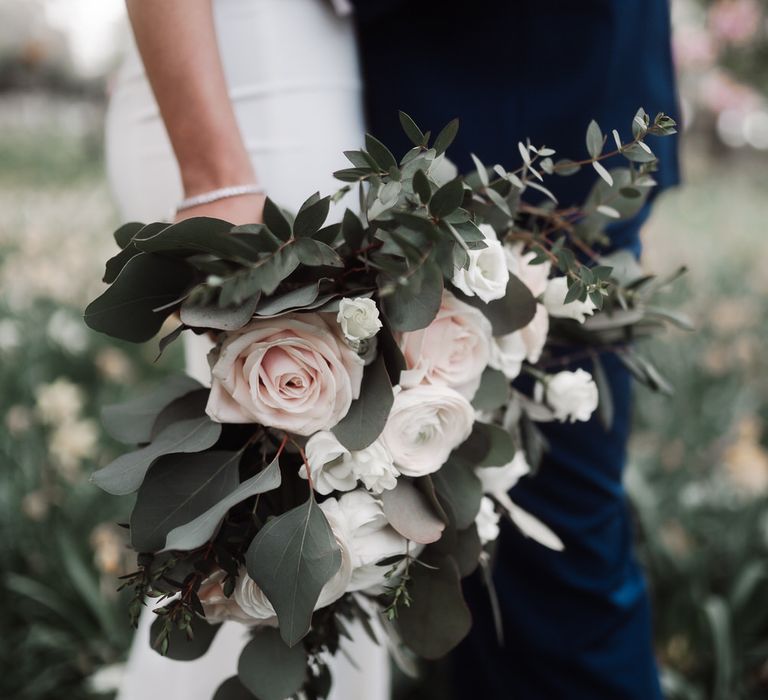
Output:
x=216 y=195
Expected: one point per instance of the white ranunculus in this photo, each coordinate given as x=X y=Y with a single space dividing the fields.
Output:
x=572 y=396
x=359 y=519
x=554 y=300
x=335 y=468
x=358 y=318
x=487 y=274
x=535 y=334
x=487 y=521
x=508 y=352
x=294 y=373
x=519 y=264
x=451 y=351
x=425 y=424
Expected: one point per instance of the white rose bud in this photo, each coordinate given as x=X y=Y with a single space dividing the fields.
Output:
x=358 y=318
x=487 y=521
x=554 y=300
x=572 y=396
x=334 y=468
x=487 y=274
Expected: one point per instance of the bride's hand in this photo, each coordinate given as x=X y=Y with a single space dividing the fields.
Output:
x=244 y=209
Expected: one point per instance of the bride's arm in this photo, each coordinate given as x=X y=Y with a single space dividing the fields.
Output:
x=177 y=42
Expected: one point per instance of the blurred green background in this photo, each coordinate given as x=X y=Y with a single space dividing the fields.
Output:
x=699 y=461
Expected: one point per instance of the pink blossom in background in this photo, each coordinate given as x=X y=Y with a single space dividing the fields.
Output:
x=735 y=21
x=693 y=48
x=718 y=91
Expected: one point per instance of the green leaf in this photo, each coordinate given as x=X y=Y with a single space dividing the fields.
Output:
x=213 y=316
x=178 y=489
x=131 y=422
x=311 y=217
x=459 y=491
x=306 y=297
x=447 y=199
x=513 y=311
x=415 y=135
x=198 y=531
x=482 y=171
x=463 y=546
x=409 y=512
x=270 y=669
x=421 y=186
x=233 y=689
x=127 y=231
x=380 y=153
x=126 y=310
x=438 y=618
x=566 y=167
x=446 y=136
x=316 y=254
x=291 y=558
x=276 y=221
x=181 y=647
x=125 y=474
x=493 y=391
x=594 y=139
x=116 y=263
x=410 y=306
x=194 y=236
x=368 y=414
x=352 y=230
x=488 y=445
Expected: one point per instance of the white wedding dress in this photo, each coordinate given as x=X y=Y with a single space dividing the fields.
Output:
x=292 y=72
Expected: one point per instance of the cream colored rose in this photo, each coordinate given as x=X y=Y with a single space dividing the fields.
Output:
x=486 y=275
x=554 y=300
x=572 y=396
x=487 y=521
x=358 y=318
x=534 y=277
x=360 y=518
x=335 y=468
x=425 y=424
x=293 y=372
x=451 y=351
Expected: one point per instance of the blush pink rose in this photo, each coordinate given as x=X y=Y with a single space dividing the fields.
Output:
x=293 y=372
x=451 y=351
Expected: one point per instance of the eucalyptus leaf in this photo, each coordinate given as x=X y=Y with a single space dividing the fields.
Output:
x=315 y=253
x=131 y=422
x=408 y=307
x=459 y=491
x=233 y=689
x=447 y=198
x=438 y=618
x=276 y=221
x=380 y=153
x=368 y=414
x=594 y=139
x=197 y=235
x=515 y=310
x=177 y=489
x=493 y=391
x=446 y=136
x=213 y=316
x=126 y=310
x=269 y=668
x=125 y=474
x=198 y=531
x=410 y=513
x=412 y=131
x=291 y=558
x=304 y=297
x=310 y=219
x=181 y=647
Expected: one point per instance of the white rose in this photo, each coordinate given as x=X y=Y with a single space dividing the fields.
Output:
x=554 y=300
x=425 y=424
x=220 y=608
x=519 y=264
x=486 y=275
x=335 y=468
x=358 y=318
x=359 y=518
x=294 y=373
x=451 y=351
x=572 y=396
x=487 y=521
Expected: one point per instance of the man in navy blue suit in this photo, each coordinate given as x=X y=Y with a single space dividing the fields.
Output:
x=576 y=623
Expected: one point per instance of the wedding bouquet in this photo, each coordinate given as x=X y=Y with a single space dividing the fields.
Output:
x=353 y=454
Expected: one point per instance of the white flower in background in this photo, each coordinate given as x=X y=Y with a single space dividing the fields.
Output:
x=572 y=396
x=114 y=365
x=108 y=679
x=451 y=351
x=71 y=443
x=9 y=335
x=487 y=521
x=18 y=419
x=69 y=332
x=487 y=274
x=35 y=505
x=58 y=402
x=508 y=352
x=425 y=424
x=535 y=277
x=497 y=482
x=334 y=468
x=360 y=520
x=358 y=318
x=554 y=300
x=294 y=373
